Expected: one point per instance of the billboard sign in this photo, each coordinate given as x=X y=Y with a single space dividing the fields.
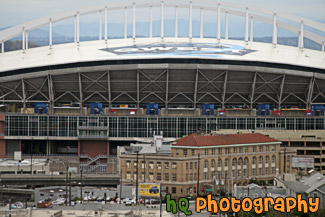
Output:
x=211 y=50
x=149 y=190
x=302 y=162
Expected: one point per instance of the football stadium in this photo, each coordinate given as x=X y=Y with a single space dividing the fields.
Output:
x=79 y=101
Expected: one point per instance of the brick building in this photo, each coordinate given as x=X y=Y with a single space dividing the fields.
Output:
x=224 y=158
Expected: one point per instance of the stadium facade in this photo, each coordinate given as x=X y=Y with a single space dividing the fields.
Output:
x=83 y=99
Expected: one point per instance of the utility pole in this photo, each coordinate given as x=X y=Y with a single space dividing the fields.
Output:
x=121 y=186
x=31 y=157
x=81 y=186
x=69 y=188
x=66 y=187
x=198 y=176
x=137 y=180
x=144 y=160
x=285 y=160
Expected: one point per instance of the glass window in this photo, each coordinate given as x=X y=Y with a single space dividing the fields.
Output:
x=234 y=150
x=213 y=151
x=177 y=151
x=273 y=147
x=174 y=177
x=128 y=175
x=254 y=148
x=174 y=166
x=128 y=164
x=159 y=176
x=184 y=151
x=219 y=163
x=173 y=190
x=240 y=150
x=151 y=165
x=166 y=165
x=186 y=166
x=143 y=164
x=193 y=152
x=159 y=165
x=260 y=160
x=166 y=176
x=267 y=159
x=195 y=165
x=261 y=148
x=191 y=165
x=267 y=148
x=219 y=150
x=206 y=151
x=151 y=176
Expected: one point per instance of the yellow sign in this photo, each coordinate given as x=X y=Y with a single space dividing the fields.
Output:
x=149 y=190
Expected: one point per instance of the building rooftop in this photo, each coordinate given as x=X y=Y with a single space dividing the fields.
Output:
x=229 y=139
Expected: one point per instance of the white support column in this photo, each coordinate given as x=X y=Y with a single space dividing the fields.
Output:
x=50 y=32
x=301 y=38
x=133 y=25
x=150 y=22
x=251 y=30
x=246 y=25
x=218 y=22
x=26 y=39
x=125 y=22
x=201 y=23
x=75 y=29
x=100 y=26
x=23 y=35
x=162 y=21
x=2 y=47
x=190 y=22
x=176 y=21
x=78 y=28
x=105 y=25
x=226 y=26
x=275 y=34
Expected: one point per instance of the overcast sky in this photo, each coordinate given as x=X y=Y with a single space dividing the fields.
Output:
x=13 y=12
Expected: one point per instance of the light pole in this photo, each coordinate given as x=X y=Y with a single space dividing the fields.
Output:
x=198 y=175
x=81 y=198
x=137 y=180
x=121 y=186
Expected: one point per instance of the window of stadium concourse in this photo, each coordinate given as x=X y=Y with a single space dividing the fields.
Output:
x=68 y=126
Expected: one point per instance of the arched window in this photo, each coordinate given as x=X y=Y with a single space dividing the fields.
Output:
x=219 y=163
x=254 y=161
x=246 y=161
x=213 y=163
x=226 y=162
x=273 y=159
x=206 y=164
x=234 y=162
x=267 y=159
x=240 y=161
x=260 y=160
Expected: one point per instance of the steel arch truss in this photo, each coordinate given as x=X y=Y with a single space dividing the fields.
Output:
x=167 y=86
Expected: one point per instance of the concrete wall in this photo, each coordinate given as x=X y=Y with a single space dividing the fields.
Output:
x=93 y=147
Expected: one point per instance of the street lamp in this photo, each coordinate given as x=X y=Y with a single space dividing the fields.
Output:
x=137 y=180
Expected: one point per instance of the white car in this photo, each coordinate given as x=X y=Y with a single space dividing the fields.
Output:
x=130 y=202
